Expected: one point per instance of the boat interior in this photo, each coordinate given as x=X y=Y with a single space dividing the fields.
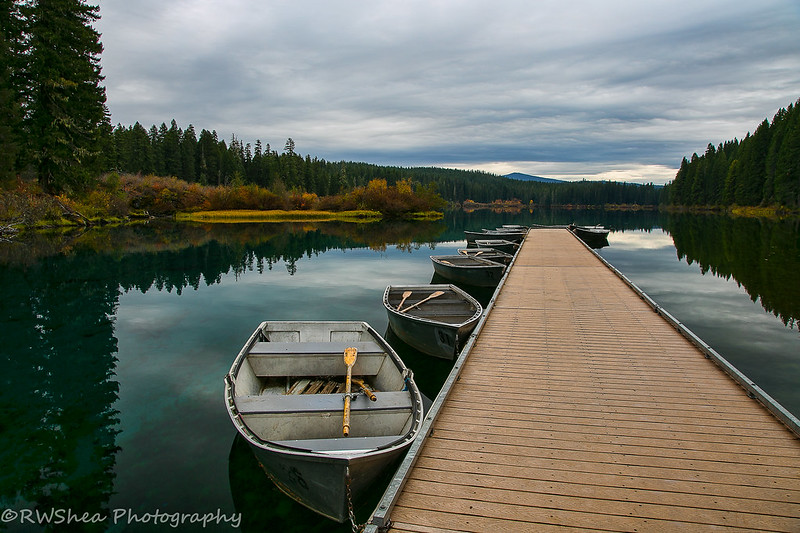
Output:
x=487 y=253
x=289 y=389
x=462 y=260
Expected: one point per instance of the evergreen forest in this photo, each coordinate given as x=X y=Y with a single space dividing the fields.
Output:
x=761 y=169
x=207 y=160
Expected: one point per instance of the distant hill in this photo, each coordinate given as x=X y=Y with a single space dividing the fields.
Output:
x=527 y=177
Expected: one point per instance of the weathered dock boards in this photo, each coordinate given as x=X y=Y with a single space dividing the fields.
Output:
x=581 y=408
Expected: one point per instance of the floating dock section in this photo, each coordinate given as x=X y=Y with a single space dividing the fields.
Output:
x=579 y=404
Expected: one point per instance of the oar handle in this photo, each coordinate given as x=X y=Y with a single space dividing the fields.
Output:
x=367 y=390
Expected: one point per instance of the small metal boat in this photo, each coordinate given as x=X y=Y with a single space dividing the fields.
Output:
x=468 y=269
x=488 y=253
x=513 y=236
x=287 y=395
x=594 y=236
x=434 y=319
x=549 y=226
x=501 y=245
x=513 y=227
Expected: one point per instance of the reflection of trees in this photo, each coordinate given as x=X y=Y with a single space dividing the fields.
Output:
x=58 y=353
x=763 y=256
x=211 y=250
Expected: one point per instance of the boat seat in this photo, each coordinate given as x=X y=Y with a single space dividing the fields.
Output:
x=340 y=444
x=275 y=359
x=313 y=348
x=311 y=403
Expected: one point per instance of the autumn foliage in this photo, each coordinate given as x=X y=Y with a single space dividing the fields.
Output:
x=116 y=196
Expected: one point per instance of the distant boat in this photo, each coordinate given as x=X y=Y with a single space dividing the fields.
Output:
x=511 y=235
x=434 y=319
x=513 y=227
x=594 y=236
x=550 y=226
x=488 y=253
x=285 y=394
x=468 y=269
x=501 y=245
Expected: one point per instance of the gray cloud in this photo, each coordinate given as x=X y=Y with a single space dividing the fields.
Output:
x=617 y=85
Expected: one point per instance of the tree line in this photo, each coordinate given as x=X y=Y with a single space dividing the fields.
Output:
x=208 y=160
x=761 y=169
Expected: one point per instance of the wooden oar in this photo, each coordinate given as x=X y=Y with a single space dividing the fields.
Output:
x=405 y=295
x=366 y=388
x=350 y=355
x=434 y=295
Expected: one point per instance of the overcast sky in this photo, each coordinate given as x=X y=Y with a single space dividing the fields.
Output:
x=610 y=89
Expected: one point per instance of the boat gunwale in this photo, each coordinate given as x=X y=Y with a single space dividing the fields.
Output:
x=503 y=242
x=467 y=251
x=485 y=263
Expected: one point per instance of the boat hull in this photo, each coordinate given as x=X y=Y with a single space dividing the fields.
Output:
x=320 y=483
x=511 y=236
x=468 y=270
x=595 y=237
x=500 y=245
x=487 y=253
x=427 y=334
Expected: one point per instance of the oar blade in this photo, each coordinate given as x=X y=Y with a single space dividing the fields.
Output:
x=350 y=355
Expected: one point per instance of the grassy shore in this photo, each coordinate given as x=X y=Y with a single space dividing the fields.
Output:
x=277 y=215
x=771 y=212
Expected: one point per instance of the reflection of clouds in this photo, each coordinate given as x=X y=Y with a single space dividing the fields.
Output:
x=641 y=240
x=352 y=269
x=151 y=320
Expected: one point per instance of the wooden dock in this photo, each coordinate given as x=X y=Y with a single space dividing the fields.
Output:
x=577 y=407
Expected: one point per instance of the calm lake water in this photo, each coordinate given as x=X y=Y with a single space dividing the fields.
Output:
x=115 y=342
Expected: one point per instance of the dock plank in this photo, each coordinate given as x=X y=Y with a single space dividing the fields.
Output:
x=581 y=408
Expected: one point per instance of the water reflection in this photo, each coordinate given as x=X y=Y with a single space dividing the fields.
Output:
x=762 y=255
x=58 y=438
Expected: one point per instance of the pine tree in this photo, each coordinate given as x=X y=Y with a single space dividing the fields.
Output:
x=64 y=98
x=787 y=167
x=141 y=161
x=188 y=154
x=10 y=109
x=172 y=151
x=208 y=158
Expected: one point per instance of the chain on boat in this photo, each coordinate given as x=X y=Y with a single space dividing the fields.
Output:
x=357 y=528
